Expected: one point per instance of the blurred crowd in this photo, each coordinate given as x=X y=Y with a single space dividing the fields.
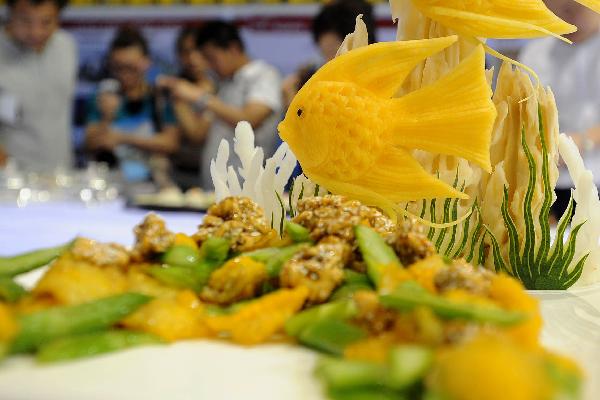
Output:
x=167 y=130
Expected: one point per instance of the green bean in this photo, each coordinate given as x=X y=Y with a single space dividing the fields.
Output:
x=377 y=254
x=182 y=277
x=43 y=326
x=409 y=295
x=340 y=310
x=22 y=263
x=181 y=256
x=365 y=393
x=92 y=344
x=10 y=291
x=214 y=251
x=331 y=336
x=297 y=232
x=352 y=277
x=346 y=374
x=347 y=291
x=275 y=257
x=408 y=364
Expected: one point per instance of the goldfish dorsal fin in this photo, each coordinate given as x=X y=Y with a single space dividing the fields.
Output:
x=381 y=67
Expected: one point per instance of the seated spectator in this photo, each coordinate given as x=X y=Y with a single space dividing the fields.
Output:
x=134 y=123
x=193 y=126
x=38 y=71
x=248 y=90
x=572 y=71
x=329 y=28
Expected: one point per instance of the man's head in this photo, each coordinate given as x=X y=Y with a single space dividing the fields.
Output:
x=31 y=23
x=222 y=46
x=586 y=20
x=192 y=62
x=129 y=58
x=338 y=19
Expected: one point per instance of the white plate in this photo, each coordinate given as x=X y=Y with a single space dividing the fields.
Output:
x=572 y=327
x=216 y=370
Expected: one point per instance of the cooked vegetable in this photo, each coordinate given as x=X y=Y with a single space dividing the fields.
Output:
x=410 y=295
x=347 y=374
x=340 y=310
x=214 y=251
x=275 y=257
x=181 y=277
x=92 y=344
x=187 y=268
x=181 y=256
x=256 y=321
x=330 y=335
x=366 y=393
x=22 y=263
x=41 y=327
x=376 y=253
x=347 y=291
x=297 y=232
x=10 y=291
x=408 y=364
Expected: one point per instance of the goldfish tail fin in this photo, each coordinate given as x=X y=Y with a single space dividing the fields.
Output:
x=437 y=118
x=381 y=67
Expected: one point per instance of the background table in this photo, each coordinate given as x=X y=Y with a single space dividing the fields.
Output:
x=49 y=224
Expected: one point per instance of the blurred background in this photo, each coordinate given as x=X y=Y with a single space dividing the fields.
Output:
x=130 y=98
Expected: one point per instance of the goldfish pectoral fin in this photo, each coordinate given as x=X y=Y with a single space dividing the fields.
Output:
x=381 y=67
x=395 y=178
x=437 y=119
x=399 y=177
x=591 y=4
x=357 y=192
x=498 y=19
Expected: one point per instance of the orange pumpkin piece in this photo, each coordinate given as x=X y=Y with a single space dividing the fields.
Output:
x=256 y=322
x=171 y=318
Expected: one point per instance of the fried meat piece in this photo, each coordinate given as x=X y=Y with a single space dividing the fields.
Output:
x=238 y=219
x=100 y=254
x=152 y=237
x=319 y=268
x=410 y=243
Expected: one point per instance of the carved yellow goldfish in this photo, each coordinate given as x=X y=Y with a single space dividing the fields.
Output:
x=500 y=19
x=353 y=138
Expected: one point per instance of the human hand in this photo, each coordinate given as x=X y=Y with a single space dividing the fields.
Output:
x=108 y=105
x=181 y=89
x=100 y=137
x=289 y=87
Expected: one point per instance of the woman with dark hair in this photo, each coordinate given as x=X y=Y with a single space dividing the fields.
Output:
x=329 y=28
x=193 y=126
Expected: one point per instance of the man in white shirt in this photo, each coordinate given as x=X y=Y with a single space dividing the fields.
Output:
x=573 y=72
x=248 y=90
x=38 y=70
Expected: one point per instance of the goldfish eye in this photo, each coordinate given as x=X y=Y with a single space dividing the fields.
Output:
x=299 y=112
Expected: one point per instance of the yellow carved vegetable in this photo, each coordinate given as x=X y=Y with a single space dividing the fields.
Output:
x=351 y=137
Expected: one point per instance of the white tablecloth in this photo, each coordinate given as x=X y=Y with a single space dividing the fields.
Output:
x=40 y=225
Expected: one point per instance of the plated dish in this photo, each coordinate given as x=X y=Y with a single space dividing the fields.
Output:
x=394 y=317
x=419 y=223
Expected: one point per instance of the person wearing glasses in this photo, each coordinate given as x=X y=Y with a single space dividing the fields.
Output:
x=38 y=71
x=129 y=119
